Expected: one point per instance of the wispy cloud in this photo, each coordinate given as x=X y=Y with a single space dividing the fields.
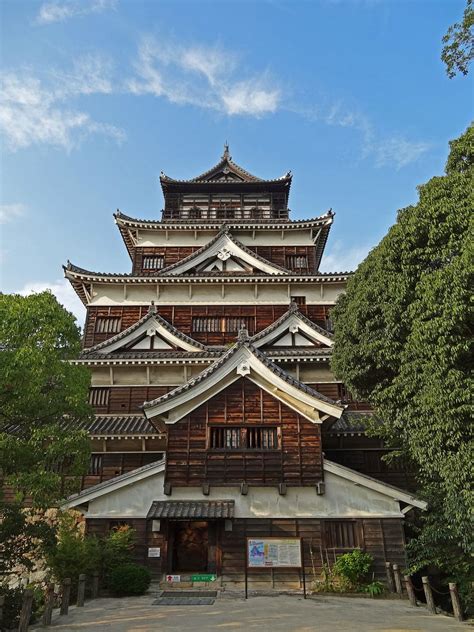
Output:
x=36 y=111
x=393 y=150
x=10 y=212
x=208 y=77
x=63 y=291
x=57 y=11
x=339 y=258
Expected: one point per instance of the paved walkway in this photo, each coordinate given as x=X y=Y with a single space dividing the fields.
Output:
x=286 y=613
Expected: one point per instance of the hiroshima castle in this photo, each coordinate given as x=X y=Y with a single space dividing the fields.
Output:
x=217 y=416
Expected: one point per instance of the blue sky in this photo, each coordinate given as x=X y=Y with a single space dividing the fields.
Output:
x=98 y=96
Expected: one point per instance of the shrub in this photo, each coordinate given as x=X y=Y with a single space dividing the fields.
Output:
x=117 y=548
x=353 y=567
x=374 y=589
x=74 y=555
x=129 y=579
x=13 y=604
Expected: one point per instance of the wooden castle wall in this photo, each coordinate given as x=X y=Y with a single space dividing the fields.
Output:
x=257 y=318
x=382 y=538
x=280 y=255
x=191 y=462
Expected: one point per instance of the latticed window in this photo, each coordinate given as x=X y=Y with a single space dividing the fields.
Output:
x=247 y=438
x=107 y=324
x=221 y=324
x=99 y=396
x=262 y=438
x=225 y=438
x=296 y=262
x=299 y=300
x=95 y=464
x=341 y=534
x=153 y=262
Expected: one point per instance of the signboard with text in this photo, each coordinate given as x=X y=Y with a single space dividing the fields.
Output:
x=274 y=552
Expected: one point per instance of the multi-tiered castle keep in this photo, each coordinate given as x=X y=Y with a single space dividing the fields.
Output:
x=217 y=414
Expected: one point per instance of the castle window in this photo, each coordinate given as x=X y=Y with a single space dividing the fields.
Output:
x=153 y=262
x=297 y=262
x=299 y=300
x=221 y=324
x=225 y=438
x=107 y=324
x=249 y=438
x=99 y=396
x=341 y=534
x=95 y=465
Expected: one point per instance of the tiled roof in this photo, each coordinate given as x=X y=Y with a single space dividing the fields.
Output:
x=150 y=315
x=292 y=310
x=121 y=425
x=226 y=164
x=351 y=422
x=242 y=341
x=224 y=231
x=191 y=509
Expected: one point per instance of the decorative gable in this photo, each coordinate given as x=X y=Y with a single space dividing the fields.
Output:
x=293 y=329
x=150 y=333
x=242 y=360
x=224 y=253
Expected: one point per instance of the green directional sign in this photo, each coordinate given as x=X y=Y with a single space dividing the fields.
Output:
x=204 y=577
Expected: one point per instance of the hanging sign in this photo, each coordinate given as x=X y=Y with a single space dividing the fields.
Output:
x=274 y=553
x=173 y=579
x=154 y=551
x=204 y=577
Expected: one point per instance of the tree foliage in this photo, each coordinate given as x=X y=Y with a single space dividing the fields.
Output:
x=403 y=341
x=458 y=50
x=43 y=398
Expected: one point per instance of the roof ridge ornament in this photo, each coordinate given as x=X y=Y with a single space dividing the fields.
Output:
x=293 y=307
x=243 y=335
x=226 y=155
x=152 y=309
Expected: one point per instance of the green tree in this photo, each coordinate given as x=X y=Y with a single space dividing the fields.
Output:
x=458 y=50
x=403 y=341
x=43 y=398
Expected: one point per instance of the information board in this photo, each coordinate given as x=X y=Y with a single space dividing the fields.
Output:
x=274 y=553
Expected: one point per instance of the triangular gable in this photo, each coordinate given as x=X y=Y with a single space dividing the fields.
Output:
x=152 y=332
x=241 y=361
x=348 y=493
x=226 y=170
x=225 y=253
x=293 y=329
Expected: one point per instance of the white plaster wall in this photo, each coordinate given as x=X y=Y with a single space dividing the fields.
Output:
x=212 y=294
x=343 y=499
x=175 y=238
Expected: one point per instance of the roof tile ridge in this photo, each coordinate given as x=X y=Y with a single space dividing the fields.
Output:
x=195 y=379
x=289 y=378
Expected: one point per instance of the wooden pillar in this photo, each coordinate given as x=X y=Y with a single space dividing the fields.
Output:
x=389 y=574
x=65 y=595
x=2 y=603
x=95 y=584
x=429 y=595
x=81 y=590
x=453 y=591
x=410 y=590
x=398 y=580
x=48 y=604
x=25 y=613
x=212 y=547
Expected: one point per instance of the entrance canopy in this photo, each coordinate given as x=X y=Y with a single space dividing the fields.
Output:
x=191 y=509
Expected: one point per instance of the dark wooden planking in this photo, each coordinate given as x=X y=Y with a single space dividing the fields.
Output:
x=191 y=462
